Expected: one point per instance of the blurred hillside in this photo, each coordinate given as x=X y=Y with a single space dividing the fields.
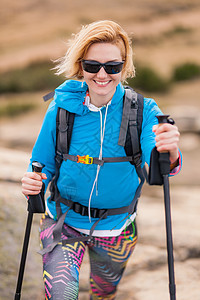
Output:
x=164 y=32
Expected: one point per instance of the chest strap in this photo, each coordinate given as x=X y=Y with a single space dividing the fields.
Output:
x=86 y=159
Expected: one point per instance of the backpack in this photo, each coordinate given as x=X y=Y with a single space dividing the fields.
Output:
x=129 y=138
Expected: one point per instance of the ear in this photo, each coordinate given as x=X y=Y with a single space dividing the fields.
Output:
x=80 y=72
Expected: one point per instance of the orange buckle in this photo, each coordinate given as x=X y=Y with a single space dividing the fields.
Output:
x=85 y=159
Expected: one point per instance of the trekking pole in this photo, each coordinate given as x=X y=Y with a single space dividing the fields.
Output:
x=35 y=205
x=165 y=170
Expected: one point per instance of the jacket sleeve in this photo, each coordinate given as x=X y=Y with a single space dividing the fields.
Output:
x=44 y=148
x=151 y=110
x=147 y=138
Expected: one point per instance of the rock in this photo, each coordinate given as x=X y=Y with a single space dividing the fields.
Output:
x=187 y=118
x=13 y=164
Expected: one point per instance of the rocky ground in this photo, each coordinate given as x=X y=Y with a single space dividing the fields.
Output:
x=146 y=276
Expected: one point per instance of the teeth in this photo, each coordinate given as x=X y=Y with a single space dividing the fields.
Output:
x=102 y=83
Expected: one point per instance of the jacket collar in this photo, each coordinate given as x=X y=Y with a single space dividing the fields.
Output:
x=71 y=95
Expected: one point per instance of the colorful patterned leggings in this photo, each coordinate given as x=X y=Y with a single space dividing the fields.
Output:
x=108 y=259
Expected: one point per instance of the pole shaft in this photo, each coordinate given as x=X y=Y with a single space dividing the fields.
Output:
x=23 y=256
x=172 y=286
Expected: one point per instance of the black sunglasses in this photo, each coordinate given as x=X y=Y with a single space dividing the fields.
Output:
x=92 y=66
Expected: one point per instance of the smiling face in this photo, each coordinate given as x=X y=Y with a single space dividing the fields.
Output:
x=101 y=85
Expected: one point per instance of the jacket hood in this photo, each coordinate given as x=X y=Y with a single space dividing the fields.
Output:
x=71 y=94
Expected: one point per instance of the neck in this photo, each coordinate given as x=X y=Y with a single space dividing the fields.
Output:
x=99 y=100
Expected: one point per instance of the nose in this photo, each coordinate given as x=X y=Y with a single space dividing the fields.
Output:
x=102 y=73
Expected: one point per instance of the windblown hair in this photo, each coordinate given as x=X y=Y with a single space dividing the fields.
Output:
x=98 y=32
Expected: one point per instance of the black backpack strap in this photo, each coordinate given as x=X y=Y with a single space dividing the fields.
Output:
x=125 y=118
x=49 y=96
x=140 y=101
x=133 y=131
x=131 y=125
x=61 y=131
x=64 y=126
x=129 y=137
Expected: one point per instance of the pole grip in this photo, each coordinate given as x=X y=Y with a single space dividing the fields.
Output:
x=37 y=167
x=36 y=203
x=164 y=160
x=162 y=119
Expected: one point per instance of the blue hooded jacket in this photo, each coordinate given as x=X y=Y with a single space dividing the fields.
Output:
x=117 y=182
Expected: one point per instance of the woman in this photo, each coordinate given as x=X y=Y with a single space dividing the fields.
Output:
x=100 y=59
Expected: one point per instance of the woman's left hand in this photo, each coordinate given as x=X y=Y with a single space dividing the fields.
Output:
x=167 y=139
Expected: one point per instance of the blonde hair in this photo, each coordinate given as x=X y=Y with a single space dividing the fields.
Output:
x=96 y=32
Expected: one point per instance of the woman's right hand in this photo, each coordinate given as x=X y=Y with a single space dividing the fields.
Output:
x=32 y=183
